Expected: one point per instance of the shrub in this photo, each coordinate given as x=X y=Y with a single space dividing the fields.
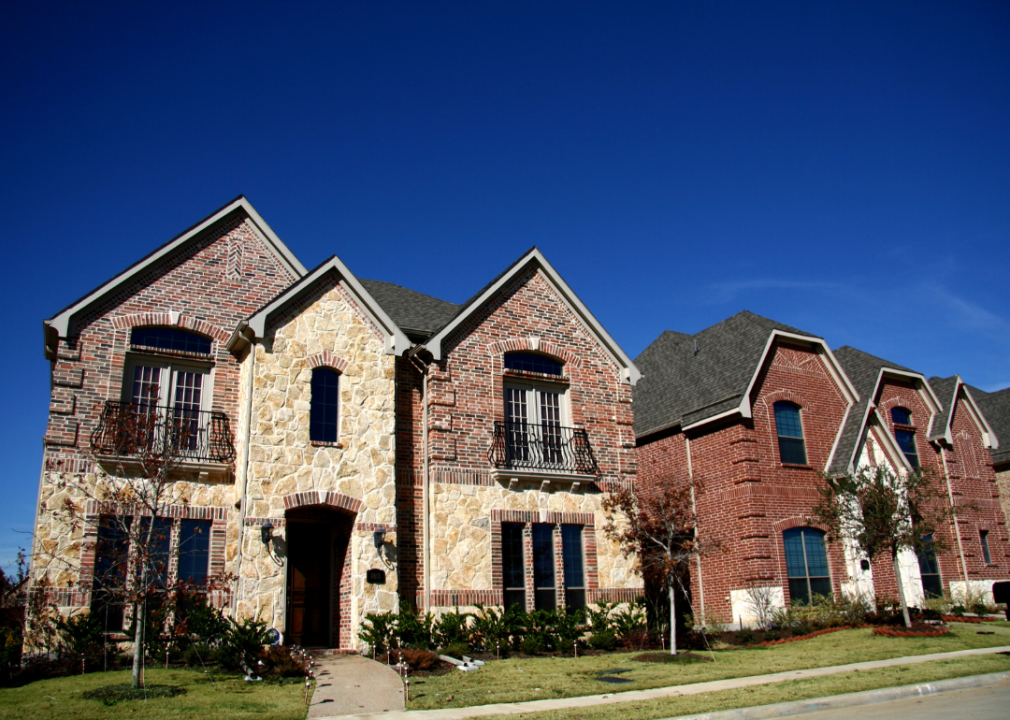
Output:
x=413 y=630
x=603 y=641
x=531 y=645
x=454 y=650
x=279 y=661
x=418 y=659
x=745 y=636
x=378 y=630
x=80 y=635
x=452 y=629
x=242 y=644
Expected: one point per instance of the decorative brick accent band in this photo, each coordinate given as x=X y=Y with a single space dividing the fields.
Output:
x=462 y=477
x=797 y=521
x=452 y=598
x=187 y=322
x=327 y=359
x=597 y=595
x=68 y=596
x=543 y=516
x=68 y=463
x=182 y=512
x=260 y=521
x=373 y=527
x=317 y=497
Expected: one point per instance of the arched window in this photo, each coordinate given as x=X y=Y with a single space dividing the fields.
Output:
x=806 y=564
x=530 y=362
x=325 y=402
x=905 y=435
x=790 y=432
x=167 y=338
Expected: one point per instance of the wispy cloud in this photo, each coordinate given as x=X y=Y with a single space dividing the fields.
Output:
x=964 y=311
x=728 y=291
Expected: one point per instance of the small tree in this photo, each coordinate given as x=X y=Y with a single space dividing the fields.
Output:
x=659 y=528
x=140 y=449
x=884 y=513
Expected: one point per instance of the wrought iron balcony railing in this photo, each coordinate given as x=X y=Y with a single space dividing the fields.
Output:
x=132 y=430
x=526 y=446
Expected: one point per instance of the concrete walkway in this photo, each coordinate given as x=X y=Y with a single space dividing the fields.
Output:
x=353 y=685
x=654 y=693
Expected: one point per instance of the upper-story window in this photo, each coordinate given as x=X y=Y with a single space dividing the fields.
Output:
x=792 y=449
x=905 y=435
x=325 y=405
x=164 y=338
x=535 y=412
x=530 y=362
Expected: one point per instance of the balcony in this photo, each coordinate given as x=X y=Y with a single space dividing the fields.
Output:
x=533 y=447
x=128 y=430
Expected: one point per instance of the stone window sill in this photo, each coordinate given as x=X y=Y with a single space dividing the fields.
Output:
x=797 y=466
x=320 y=443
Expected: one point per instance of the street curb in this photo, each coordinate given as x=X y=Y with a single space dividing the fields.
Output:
x=866 y=697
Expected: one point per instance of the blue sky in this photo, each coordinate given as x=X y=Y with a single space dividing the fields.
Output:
x=841 y=167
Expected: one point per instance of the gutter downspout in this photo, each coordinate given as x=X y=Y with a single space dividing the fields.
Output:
x=243 y=505
x=957 y=529
x=694 y=511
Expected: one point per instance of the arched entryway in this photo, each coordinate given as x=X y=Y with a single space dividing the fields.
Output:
x=318 y=571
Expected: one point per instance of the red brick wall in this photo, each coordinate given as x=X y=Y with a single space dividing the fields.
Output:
x=222 y=277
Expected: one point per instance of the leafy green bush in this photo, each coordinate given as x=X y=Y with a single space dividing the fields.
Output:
x=454 y=650
x=452 y=628
x=746 y=636
x=531 y=645
x=79 y=635
x=378 y=630
x=603 y=640
x=413 y=630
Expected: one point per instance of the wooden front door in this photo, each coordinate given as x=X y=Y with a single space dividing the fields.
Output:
x=309 y=583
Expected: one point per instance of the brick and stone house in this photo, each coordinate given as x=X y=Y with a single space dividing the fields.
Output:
x=354 y=443
x=754 y=410
x=996 y=408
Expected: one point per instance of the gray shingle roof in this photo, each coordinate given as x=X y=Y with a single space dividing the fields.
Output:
x=944 y=389
x=996 y=408
x=682 y=385
x=415 y=313
x=862 y=370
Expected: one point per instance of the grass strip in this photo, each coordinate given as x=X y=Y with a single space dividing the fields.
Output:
x=221 y=697
x=788 y=691
x=514 y=680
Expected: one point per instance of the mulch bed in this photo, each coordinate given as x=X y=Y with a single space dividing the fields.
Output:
x=914 y=631
x=814 y=634
x=955 y=618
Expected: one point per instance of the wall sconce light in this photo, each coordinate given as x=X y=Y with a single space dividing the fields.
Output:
x=266 y=533
x=378 y=537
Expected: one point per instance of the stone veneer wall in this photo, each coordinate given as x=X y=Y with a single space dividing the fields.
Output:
x=285 y=467
x=465 y=398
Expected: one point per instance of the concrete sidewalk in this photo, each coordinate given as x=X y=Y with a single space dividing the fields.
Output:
x=350 y=685
x=654 y=693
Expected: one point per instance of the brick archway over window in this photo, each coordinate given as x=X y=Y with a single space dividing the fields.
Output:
x=797 y=521
x=787 y=395
x=537 y=345
x=170 y=319
x=327 y=359
x=321 y=497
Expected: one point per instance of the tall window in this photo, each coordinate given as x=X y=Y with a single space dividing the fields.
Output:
x=929 y=570
x=904 y=433
x=575 y=577
x=535 y=413
x=790 y=431
x=983 y=537
x=325 y=401
x=543 y=567
x=806 y=564
x=513 y=565
x=112 y=553
x=194 y=551
x=540 y=567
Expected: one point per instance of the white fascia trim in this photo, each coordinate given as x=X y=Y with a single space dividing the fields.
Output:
x=839 y=376
x=629 y=373
x=720 y=416
x=988 y=436
x=925 y=391
x=61 y=323
x=396 y=341
x=890 y=444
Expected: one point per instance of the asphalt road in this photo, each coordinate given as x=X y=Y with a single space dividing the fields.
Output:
x=992 y=703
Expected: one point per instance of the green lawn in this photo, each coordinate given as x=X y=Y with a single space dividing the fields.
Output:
x=777 y=693
x=543 y=678
x=222 y=698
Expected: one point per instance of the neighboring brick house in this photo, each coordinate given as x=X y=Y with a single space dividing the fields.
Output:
x=707 y=408
x=754 y=410
x=357 y=443
x=996 y=407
